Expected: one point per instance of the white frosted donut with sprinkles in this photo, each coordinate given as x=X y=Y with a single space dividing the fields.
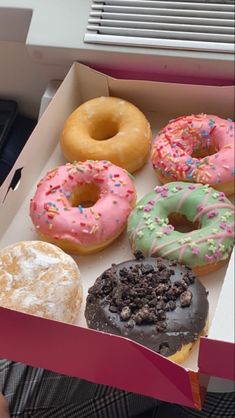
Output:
x=196 y=148
x=83 y=207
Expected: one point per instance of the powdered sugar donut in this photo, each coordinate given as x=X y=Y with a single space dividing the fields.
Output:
x=40 y=279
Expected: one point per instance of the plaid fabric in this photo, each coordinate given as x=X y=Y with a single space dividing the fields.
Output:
x=37 y=393
x=217 y=405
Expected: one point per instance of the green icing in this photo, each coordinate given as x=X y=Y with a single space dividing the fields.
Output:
x=149 y=229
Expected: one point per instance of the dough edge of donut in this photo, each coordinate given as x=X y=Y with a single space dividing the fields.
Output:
x=181 y=355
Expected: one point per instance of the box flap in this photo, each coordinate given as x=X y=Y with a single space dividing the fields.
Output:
x=89 y=354
x=220 y=342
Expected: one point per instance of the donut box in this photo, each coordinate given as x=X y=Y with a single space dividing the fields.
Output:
x=74 y=349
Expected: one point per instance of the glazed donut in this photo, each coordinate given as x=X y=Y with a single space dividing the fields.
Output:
x=107 y=128
x=151 y=225
x=83 y=207
x=156 y=302
x=196 y=148
x=40 y=279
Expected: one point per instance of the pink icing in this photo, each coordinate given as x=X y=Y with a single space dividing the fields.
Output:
x=184 y=198
x=53 y=215
x=198 y=241
x=211 y=207
x=174 y=145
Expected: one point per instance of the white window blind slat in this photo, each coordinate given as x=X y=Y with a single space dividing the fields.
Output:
x=196 y=25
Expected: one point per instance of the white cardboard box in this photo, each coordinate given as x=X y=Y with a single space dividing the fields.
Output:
x=76 y=350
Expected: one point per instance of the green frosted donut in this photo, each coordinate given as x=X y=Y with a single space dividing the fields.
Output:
x=150 y=231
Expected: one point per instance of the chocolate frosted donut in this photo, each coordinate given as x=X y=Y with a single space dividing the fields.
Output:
x=156 y=302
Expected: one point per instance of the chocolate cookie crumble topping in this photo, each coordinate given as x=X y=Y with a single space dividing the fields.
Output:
x=144 y=292
x=158 y=303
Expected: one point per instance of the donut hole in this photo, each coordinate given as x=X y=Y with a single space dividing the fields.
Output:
x=103 y=128
x=85 y=195
x=182 y=224
x=204 y=152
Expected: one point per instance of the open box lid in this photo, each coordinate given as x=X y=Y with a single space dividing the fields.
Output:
x=29 y=340
x=217 y=351
x=97 y=357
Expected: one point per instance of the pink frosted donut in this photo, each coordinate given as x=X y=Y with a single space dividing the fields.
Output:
x=83 y=207
x=196 y=148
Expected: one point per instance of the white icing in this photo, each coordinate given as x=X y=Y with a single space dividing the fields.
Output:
x=27 y=299
x=36 y=282
x=89 y=112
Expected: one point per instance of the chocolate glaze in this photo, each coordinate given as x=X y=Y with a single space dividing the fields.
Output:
x=156 y=302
